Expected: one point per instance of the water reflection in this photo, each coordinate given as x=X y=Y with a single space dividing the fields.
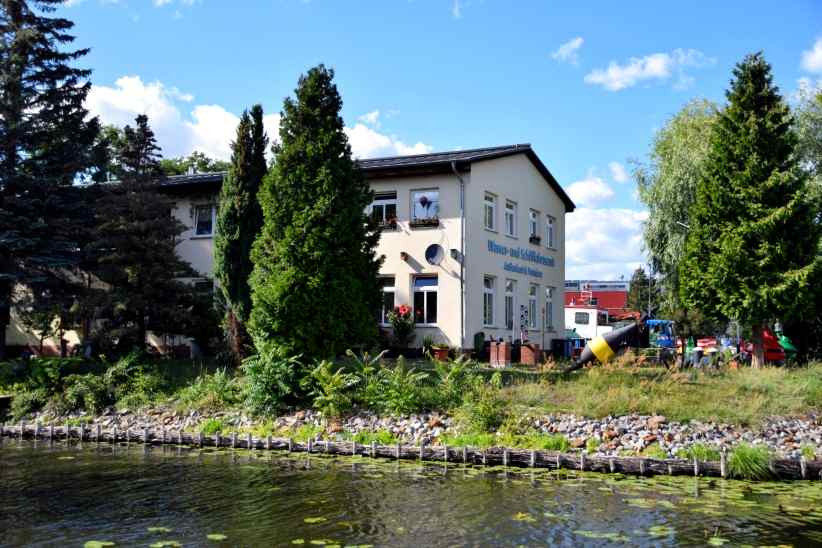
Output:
x=59 y=495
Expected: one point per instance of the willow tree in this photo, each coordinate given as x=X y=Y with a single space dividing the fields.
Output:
x=314 y=287
x=751 y=252
x=238 y=223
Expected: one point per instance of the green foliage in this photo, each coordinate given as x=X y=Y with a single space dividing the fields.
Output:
x=751 y=252
x=272 y=378
x=238 y=223
x=640 y=288
x=700 y=451
x=28 y=401
x=483 y=409
x=380 y=437
x=667 y=187
x=196 y=160
x=307 y=432
x=452 y=380
x=329 y=388
x=481 y=440
x=591 y=445
x=402 y=326
x=546 y=442
x=749 y=462
x=316 y=240
x=88 y=392
x=400 y=390
x=212 y=425
x=211 y=392
x=655 y=451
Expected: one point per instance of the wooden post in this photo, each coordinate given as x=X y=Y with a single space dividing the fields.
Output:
x=163 y=433
x=249 y=442
x=611 y=464
x=22 y=428
x=99 y=431
x=670 y=470
x=803 y=467
x=234 y=440
x=641 y=467
x=202 y=439
x=180 y=437
x=291 y=445
x=128 y=435
x=145 y=435
x=723 y=463
x=268 y=442
x=422 y=448
x=373 y=449
x=464 y=454
x=68 y=431
x=445 y=453
x=557 y=461
x=696 y=467
x=114 y=435
x=36 y=429
x=533 y=458
x=505 y=456
x=353 y=447
x=51 y=432
x=484 y=460
x=326 y=447
x=582 y=460
x=397 y=450
x=217 y=439
x=309 y=444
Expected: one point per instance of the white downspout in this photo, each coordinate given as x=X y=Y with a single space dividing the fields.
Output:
x=462 y=255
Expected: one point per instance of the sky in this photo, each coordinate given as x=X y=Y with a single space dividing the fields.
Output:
x=586 y=83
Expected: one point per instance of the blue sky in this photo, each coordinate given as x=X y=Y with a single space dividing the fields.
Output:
x=586 y=86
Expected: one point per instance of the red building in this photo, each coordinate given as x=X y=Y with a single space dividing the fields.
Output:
x=609 y=296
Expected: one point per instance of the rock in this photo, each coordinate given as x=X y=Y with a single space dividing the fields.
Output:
x=576 y=443
x=656 y=421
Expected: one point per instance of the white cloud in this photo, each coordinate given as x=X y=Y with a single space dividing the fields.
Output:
x=371 y=118
x=456 y=10
x=603 y=243
x=210 y=128
x=567 y=52
x=589 y=191
x=618 y=172
x=812 y=58
x=657 y=66
x=368 y=143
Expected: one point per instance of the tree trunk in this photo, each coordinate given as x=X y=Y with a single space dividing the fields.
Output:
x=237 y=336
x=758 y=355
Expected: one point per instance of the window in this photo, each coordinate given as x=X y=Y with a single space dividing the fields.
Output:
x=383 y=209
x=425 y=300
x=533 y=291
x=490 y=211
x=204 y=220
x=425 y=207
x=488 y=301
x=387 y=284
x=510 y=289
x=582 y=318
x=533 y=226
x=549 y=308
x=550 y=235
x=510 y=218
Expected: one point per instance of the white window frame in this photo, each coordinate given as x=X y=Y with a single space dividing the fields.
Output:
x=549 y=308
x=382 y=199
x=490 y=211
x=213 y=213
x=533 y=223
x=387 y=289
x=425 y=289
x=414 y=193
x=510 y=304
x=510 y=218
x=533 y=306
x=550 y=232
x=488 y=297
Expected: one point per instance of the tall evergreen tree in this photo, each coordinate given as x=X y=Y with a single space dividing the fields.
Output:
x=238 y=223
x=751 y=253
x=314 y=285
x=135 y=242
x=644 y=292
x=46 y=140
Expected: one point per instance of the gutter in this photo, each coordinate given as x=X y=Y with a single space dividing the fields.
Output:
x=462 y=254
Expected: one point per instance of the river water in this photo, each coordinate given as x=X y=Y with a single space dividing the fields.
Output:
x=68 y=495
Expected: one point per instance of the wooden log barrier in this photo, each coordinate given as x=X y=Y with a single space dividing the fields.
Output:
x=785 y=469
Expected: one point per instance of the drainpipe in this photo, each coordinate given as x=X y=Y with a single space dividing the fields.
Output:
x=462 y=254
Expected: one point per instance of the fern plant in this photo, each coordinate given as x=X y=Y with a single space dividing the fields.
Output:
x=401 y=388
x=330 y=388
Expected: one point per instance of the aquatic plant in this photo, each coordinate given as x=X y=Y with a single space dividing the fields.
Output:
x=750 y=462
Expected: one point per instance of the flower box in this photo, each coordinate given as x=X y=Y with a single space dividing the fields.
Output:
x=440 y=353
x=425 y=223
x=390 y=224
x=536 y=240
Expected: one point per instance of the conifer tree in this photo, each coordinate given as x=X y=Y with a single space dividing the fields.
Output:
x=314 y=286
x=135 y=241
x=751 y=252
x=238 y=223
x=46 y=141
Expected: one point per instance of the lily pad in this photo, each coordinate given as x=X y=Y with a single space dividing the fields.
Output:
x=159 y=530
x=602 y=535
x=217 y=537
x=660 y=530
x=524 y=516
x=66 y=458
x=166 y=544
x=298 y=541
x=317 y=519
x=717 y=541
x=98 y=544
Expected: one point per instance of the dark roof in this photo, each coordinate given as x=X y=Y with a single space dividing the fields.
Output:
x=419 y=164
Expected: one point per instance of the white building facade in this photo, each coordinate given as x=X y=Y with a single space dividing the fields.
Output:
x=473 y=241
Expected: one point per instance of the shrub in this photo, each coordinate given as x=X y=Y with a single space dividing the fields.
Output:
x=28 y=401
x=211 y=392
x=330 y=388
x=452 y=380
x=749 y=462
x=272 y=377
x=483 y=410
x=380 y=437
x=307 y=432
x=88 y=392
x=400 y=388
x=367 y=369
x=211 y=426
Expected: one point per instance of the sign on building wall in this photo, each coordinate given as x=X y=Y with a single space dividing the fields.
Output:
x=522 y=254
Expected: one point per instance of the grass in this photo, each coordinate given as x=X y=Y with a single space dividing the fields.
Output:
x=380 y=437
x=209 y=427
x=808 y=451
x=654 y=451
x=749 y=462
x=744 y=396
x=700 y=451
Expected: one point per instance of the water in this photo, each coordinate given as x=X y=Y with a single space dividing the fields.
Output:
x=67 y=495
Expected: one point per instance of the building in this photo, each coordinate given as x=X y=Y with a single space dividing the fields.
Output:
x=610 y=296
x=473 y=240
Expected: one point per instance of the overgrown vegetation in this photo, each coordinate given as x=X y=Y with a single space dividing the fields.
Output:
x=750 y=462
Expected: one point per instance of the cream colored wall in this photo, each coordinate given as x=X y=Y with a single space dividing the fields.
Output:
x=414 y=242
x=198 y=251
x=514 y=178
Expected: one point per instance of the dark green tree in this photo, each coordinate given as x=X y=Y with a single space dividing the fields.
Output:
x=198 y=161
x=46 y=142
x=314 y=287
x=751 y=252
x=135 y=240
x=644 y=292
x=238 y=223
